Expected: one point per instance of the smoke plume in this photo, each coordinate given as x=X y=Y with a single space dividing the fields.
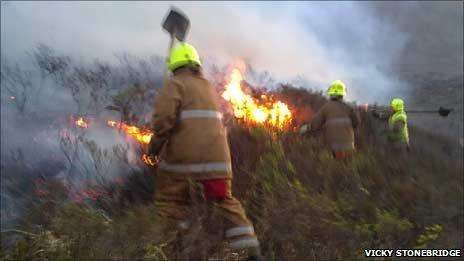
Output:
x=362 y=43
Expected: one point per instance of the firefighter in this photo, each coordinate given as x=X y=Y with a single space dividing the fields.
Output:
x=190 y=136
x=398 y=134
x=337 y=120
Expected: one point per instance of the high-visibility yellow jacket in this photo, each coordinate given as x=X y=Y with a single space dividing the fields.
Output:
x=398 y=126
x=187 y=120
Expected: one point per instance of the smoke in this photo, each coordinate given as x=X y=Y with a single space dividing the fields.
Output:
x=365 y=44
x=361 y=43
x=435 y=30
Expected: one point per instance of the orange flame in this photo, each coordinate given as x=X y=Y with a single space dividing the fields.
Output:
x=148 y=160
x=263 y=111
x=141 y=135
x=81 y=123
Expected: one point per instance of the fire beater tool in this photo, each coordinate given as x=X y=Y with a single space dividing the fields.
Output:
x=177 y=24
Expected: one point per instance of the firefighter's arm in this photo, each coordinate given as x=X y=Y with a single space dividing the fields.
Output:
x=398 y=125
x=355 y=118
x=164 y=116
x=318 y=120
x=381 y=115
x=309 y=128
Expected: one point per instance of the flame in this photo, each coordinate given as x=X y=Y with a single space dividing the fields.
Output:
x=148 y=160
x=81 y=123
x=262 y=111
x=141 y=135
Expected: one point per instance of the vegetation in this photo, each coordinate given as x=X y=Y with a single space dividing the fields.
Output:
x=304 y=204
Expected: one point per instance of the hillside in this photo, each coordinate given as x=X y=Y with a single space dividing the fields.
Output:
x=74 y=186
x=304 y=204
x=429 y=92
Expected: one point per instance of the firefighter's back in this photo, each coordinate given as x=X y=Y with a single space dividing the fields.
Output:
x=338 y=125
x=200 y=137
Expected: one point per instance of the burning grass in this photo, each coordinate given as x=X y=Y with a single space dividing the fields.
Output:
x=141 y=135
x=262 y=110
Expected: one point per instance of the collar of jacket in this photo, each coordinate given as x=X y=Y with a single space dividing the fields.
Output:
x=188 y=69
x=338 y=99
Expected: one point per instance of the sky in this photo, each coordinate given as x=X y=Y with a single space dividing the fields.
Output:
x=361 y=43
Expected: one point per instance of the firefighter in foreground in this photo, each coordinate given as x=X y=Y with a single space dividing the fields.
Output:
x=193 y=142
x=337 y=120
x=398 y=135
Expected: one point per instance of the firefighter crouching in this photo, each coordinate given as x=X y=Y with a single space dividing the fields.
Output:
x=337 y=120
x=190 y=132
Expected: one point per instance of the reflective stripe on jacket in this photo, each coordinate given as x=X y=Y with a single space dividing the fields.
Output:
x=187 y=116
x=400 y=135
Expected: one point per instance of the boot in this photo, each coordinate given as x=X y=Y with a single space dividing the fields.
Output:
x=255 y=258
x=254 y=254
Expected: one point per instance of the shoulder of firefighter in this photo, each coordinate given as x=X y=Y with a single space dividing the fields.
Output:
x=337 y=120
x=398 y=119
x=335 y=111
x=187 y=115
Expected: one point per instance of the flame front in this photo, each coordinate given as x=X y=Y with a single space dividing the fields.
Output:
x=263 y=111
x=141 y=135
x=81 y=123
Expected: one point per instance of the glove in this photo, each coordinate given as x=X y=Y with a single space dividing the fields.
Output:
x=304 y=129
x=155 y=146
x=381 y=115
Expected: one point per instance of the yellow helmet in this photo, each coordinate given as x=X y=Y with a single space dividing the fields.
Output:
x=337 y=88
x=397 y=104
x=183 y=54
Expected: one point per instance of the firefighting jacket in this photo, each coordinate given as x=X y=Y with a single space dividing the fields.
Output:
x=188 y=125
x=336 y=120
x=398 y=135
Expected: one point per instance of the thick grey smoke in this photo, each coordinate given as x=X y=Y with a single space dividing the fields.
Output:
x=362 y=43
